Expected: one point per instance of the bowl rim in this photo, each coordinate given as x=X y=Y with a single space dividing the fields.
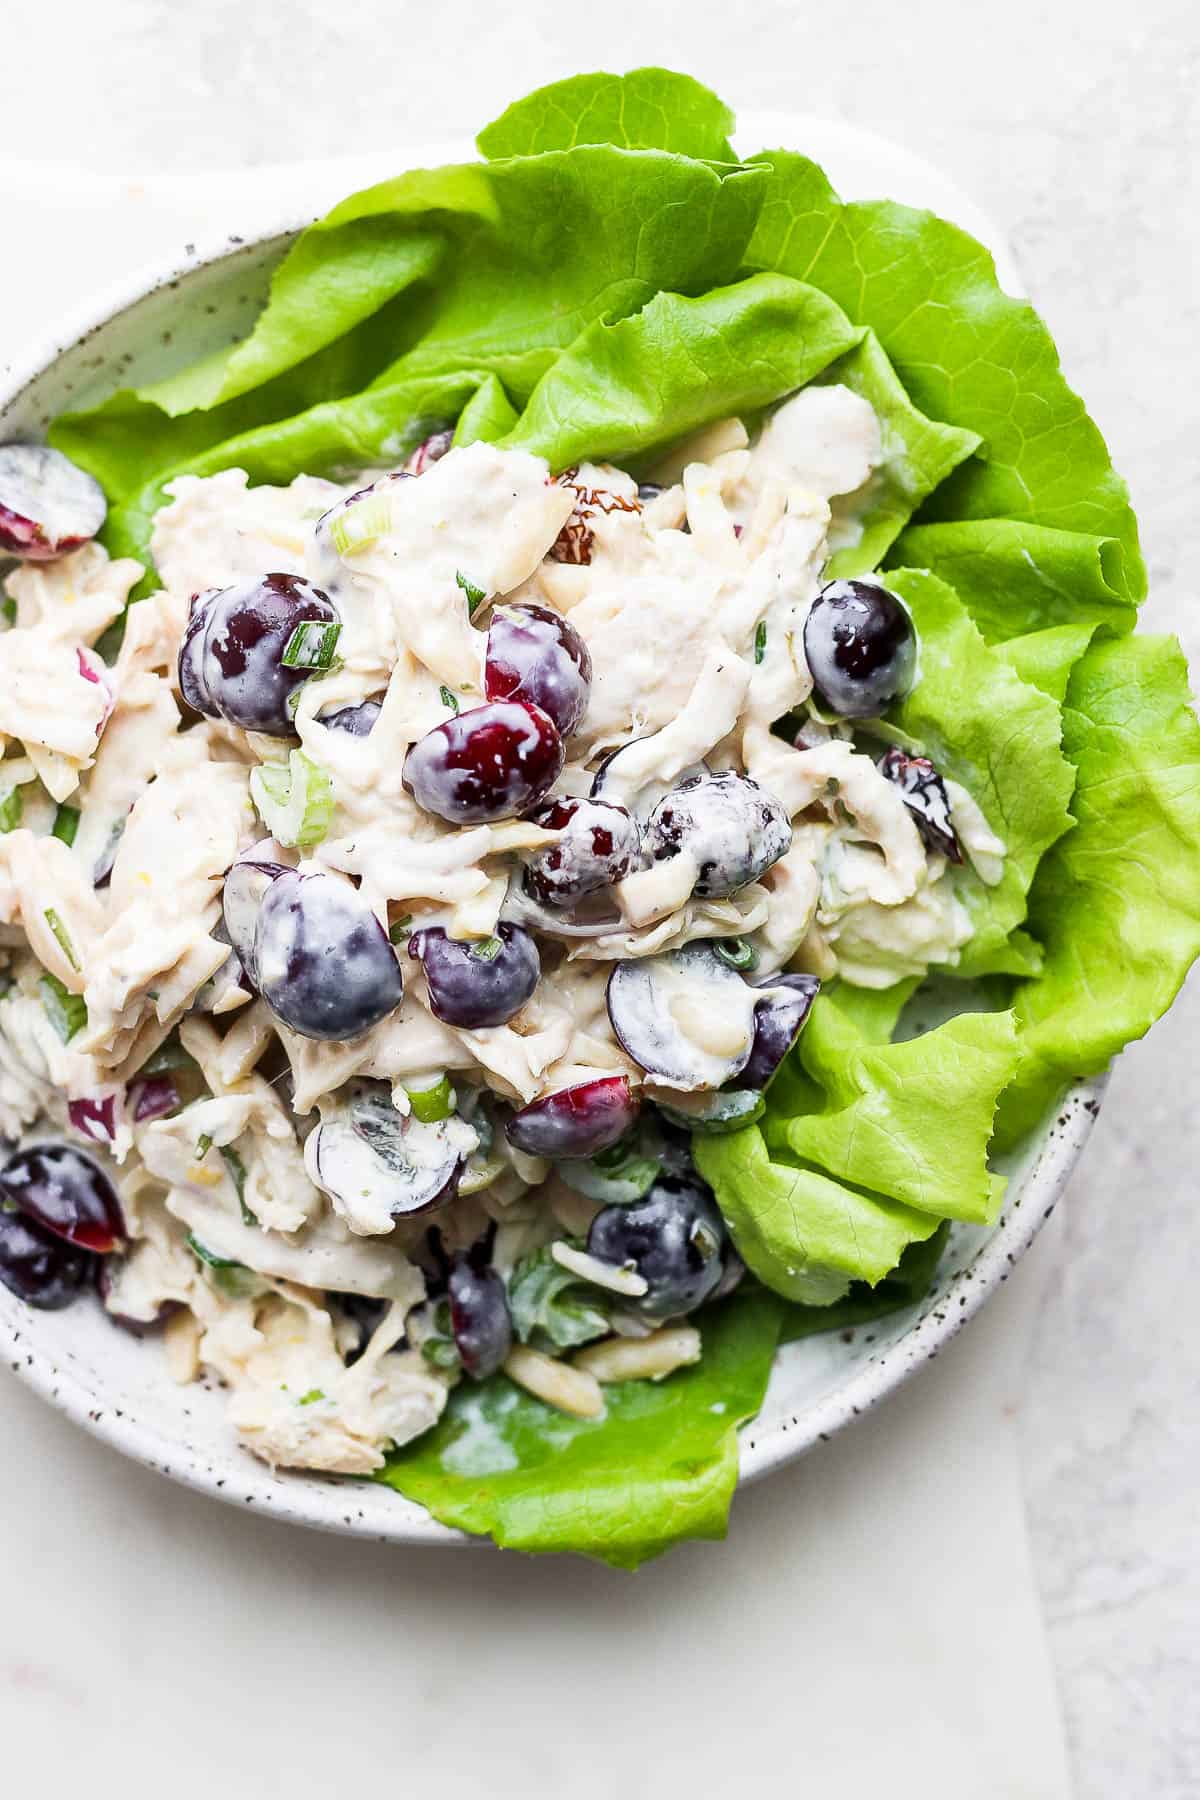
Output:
x=362 y=1509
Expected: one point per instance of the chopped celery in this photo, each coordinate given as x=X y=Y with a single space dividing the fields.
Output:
x=429 y=1104
x=295 y=802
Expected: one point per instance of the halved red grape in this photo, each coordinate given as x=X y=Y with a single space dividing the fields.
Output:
x=432 y=450
x=477 y=983
x=323 y=961
x=491 y=762
x=600 y=843
x=860 y=647
x=479 y=1317
x=779 y=1018
x=358 y=721
x=732 y=828
x=48 y=506
x=673 y=1237
x=575 y=1121
x=926 y=798
x=42 y=1270
x=232 y=661
x=66 y=1193
x=537 y=656
x=95 y=1119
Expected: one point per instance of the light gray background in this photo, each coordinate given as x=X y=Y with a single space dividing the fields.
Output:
x=1076 y=126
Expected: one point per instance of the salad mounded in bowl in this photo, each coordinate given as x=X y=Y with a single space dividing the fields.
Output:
x=494 y=762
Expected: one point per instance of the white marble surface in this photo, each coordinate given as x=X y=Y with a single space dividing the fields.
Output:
x=1077 y=127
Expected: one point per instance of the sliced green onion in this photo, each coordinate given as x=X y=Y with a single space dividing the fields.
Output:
x=312 y=644
x=237 y=1170
x=487 y=949
x=449 y=699
x=234 y=1279
x=475 y=595
x=8 y=608
x=66 y=824
x=295 y=802
x=399 y=929
x=737 y=953
x=208 y=1257
x=12 y=809
x=62 y=935
x=203 y=1146
x=169 y=1056
x=432 y=1103
x=760 y=641
x=362 y=524
x=67 y=1012
x=311 y=1398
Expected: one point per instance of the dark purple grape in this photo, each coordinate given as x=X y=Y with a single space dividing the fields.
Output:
x=535 y=655
x=492 y=762
x=732 y=828
x=66 y=1193
x=358 y=720
x=245 y=886
x=600 y=843
x=673 y=1237
x=324 y=964
x=474 y=983
x=861 y=648
x=42 y=1270
x=665 y=1036
x=479 y=1318
x=648 y=491
x=779 y=1018
x=48 y=506
x=925 y=796
x=231 y=663
x=377 y=1160
x=576 y=1121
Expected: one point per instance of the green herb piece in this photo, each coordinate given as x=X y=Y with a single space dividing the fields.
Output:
x=234 y=1279
x=203 y=1146
x=62 y=936
x=67 y=1012
x=432 y=1103
x=66 y=824
x=475 y=595
x=295 y=801
x=760 y=641
x=311 y=1398
x=8 y=609
x=737 y=952
x=487 y=949
x=312 y=644
x=399 y=929
x=449 y=699
x=551 y=1306
x=168 y=1058
x=237 y=1170
x=12 y=809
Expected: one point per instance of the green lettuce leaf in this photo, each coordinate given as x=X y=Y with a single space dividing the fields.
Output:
x=659 y=1467
x=966 y=353
x=627 y=389
x=908 y=1283
x=1015 y=578
x=999 y=737
x=648 y=109
x=919 y=453
x=1117 y=902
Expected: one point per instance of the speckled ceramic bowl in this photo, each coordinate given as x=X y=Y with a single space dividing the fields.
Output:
x=117 y=1386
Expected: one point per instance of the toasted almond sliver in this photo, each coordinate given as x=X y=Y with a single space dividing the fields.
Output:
x=557 y=1383
x=641 y=1359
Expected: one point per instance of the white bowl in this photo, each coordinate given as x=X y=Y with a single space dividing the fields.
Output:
x=118 y=1387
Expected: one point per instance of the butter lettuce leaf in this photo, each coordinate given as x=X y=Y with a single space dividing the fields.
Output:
x=918 y=454
x=1015 y=578
x=1117 y=902
x=648 y=109
x=966 y=352
x=1000 y=738
x=624 y=390
x=661 y=1465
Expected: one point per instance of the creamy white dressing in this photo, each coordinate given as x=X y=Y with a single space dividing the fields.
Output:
x=692 y=605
